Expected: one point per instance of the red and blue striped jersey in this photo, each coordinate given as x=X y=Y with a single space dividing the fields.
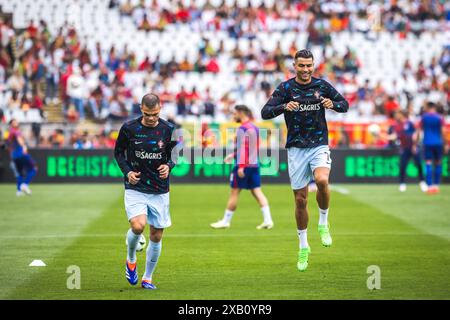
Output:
x=247 y=145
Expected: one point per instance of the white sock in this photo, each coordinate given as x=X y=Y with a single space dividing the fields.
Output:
x=302 y=235
x=266 y=214
x=227 y=216
x=132 y=239
x=153 y=253
x=323 y=216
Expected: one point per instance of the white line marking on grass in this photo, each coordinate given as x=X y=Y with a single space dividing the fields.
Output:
x=218 y=235
x=340 y=189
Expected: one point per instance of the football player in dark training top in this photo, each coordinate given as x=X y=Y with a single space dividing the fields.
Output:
x=143 y=153
x=303 y=100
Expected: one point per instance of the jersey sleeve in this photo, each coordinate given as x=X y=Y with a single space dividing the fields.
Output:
x=120 y=149
x=171 y=162
x=276 y=103
x=340 y=104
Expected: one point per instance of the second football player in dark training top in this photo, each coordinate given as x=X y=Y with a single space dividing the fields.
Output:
x=143 y=152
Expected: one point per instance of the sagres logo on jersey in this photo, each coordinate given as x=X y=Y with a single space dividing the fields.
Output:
x=148 y=155
x=308 y=107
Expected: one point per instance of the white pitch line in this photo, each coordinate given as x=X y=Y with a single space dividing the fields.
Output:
x=218 y=235
x=340 y=189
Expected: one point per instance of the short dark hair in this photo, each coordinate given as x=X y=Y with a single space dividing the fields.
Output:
x=431 y=105
x=150 y=100
x=305 y=53
x=244 y=109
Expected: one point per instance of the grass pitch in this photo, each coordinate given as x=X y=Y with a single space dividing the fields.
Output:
x=406 y=235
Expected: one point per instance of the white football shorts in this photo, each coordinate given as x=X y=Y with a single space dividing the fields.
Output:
x=155 y=206
x=303 y=161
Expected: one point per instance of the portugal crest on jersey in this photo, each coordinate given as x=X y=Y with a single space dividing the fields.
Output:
x=160 y=144
x=317 y=94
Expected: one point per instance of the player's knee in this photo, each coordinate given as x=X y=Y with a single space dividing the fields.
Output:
x=137 y=227
x=155 y=236
x=321 y=182
x=301 y=202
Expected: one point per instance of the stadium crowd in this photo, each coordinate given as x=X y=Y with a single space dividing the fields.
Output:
x=38 y=68
x=316 y=17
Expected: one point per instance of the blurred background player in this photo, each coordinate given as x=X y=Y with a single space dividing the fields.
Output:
x=404 y=133
x=432 y=125
x=303 y=100
x=245 y=174
x=143 y=153
x=23 y=165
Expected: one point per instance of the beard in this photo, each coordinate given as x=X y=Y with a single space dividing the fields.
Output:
x=302 y=75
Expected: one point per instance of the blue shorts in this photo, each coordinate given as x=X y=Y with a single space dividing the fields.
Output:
x=434 y=152
x=251 y=180
x=24 y=163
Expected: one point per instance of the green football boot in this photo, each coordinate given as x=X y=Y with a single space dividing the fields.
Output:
x=302 y=263
x=324 y=232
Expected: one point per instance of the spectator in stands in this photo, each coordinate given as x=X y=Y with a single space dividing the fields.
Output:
x=51 y=80
x=97 y=102
x=76 y=91
x=81 y=141
x=212 y=65
x=117 y=109
x=391 y=106
x=113 y=61
x=126 y=8
x=25 y=103
x=366 y=106
x=185 y=65
x=16 y=81
x=14 y=101
x=37 y=102
x=209 y=104
x=57 y=138
x=37 y=71
x=182 y=102
x=145 y=23
x=36 y=132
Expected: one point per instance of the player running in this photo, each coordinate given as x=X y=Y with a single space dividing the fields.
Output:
x=245 y=174
x=23 y=165
x=405 y=133
x=303 y=100
x=143 y=153
x=433 y=126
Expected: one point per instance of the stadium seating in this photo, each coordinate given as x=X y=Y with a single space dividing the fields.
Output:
x=381 y=56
